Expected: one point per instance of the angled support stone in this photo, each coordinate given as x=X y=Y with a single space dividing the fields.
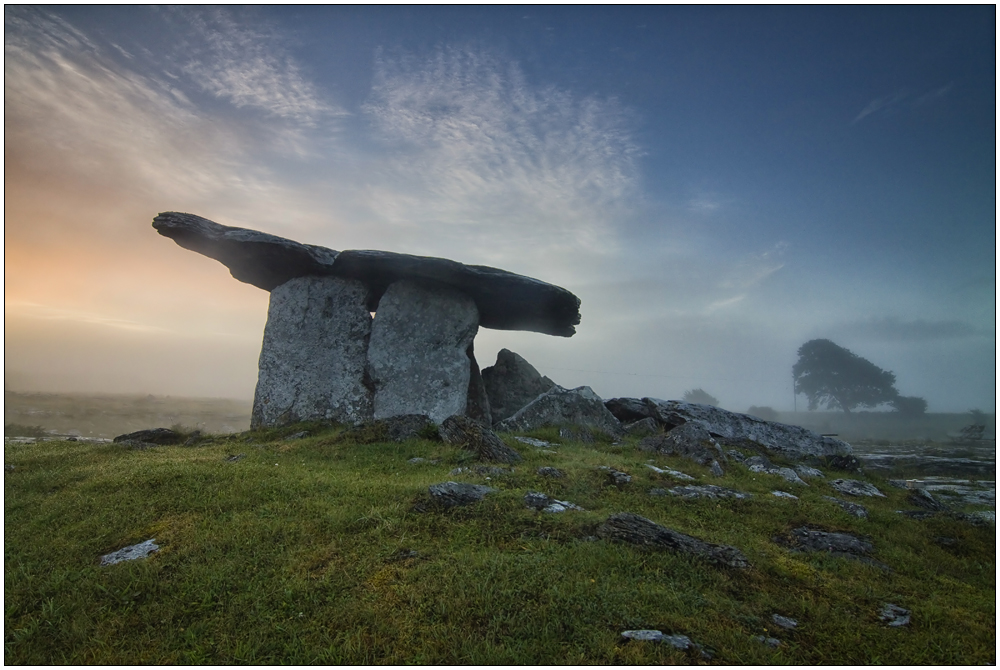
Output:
x=313 y=361
x=418 y=355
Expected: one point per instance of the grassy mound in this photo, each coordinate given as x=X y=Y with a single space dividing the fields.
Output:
x=316 y=550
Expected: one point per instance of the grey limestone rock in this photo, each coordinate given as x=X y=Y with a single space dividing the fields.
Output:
x=453 y=494
x=547 y=471
x=643 y=635
x=853 y=487
x=769 y=641
x=132 y=553
x=923 y=498
x=844 y=545
x=469 y=434
x=761 y=464
x=670 y=473
x=894 y=615
x=690 y=440
x=782 y=494
x=155 y=436
x=616 y=477
x=642 y=427
x=854 y=509
x=806 y=471
x=478 y=402
x=784 y=622
x=313 y=357
x=417 y=356
x=716 y=469
x=709 y=491
x=634 y=529
x=505 y=300
x=532 y=441
x=543 y=503
x=579 y=408
x=511 y=383
x=628 y=410
x=789 y=441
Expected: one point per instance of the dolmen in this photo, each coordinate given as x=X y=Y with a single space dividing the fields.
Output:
x=355 y=336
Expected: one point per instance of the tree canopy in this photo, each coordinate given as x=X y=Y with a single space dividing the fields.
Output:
x=832 y=376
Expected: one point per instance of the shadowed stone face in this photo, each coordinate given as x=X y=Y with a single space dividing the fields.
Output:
x=417 y=357
x=314 y=354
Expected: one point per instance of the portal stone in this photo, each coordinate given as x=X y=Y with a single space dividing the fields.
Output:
x=417 y=357
x=313 y=359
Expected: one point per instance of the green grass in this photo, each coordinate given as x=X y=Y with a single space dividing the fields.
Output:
x=293 y=555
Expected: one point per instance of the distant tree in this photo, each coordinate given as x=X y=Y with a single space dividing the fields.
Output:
x=700 y=397
x=833 y=376
x=975 y=430
x=766 y=413
x=909 y=405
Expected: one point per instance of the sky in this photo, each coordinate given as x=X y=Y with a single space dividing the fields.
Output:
x=718 y=185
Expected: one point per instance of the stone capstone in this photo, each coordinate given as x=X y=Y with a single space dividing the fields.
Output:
x=313 y=361
x=506 y=301
x=417 y=356
x=579 y=407
x=461 y=431
x=633 y=529
x=511 y=383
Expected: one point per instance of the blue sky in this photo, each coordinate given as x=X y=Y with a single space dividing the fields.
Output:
x=717 y=184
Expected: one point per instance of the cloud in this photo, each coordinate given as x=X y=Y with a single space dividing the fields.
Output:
x=895 y=329
x=475 y=152
x=881 y=105
x=250 y=67
x=30 y=310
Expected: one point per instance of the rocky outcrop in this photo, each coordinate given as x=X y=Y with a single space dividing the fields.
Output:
x=853 y=487
x=511 y=383
x=461 y=431
x=854 y=509
x=453 y=494
x=731 y=428
x=843 y=545
x=634 y=529
x=692 y=441
x=417 y=357
x=506 y=301
x=560 y=407
x=314 y=356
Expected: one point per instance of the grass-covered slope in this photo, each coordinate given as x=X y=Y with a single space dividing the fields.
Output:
x=303 y=550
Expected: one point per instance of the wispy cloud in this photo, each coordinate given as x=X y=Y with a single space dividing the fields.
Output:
x=479 y=153
x=250 y=67
x=881 y=105
x=32 y=310
x=889 y=103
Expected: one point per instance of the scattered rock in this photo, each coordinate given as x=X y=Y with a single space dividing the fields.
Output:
x=643 y=635
x=784 y=622
x=923 y=498
x=898 y=483
x=477 y=404
x=782 y=494
x=708 y=491
x=761 y=464
x=232 y=458
x=313 y=358
x=769 y=641
x=806 y=471
x=533 y=442
x=716 y=469
x=299 y=435
x=682 y=642
x=469 y=434
x=736 y=456
x=790 y=441
x=894 y=615
x=616 y=477
x=547 y=471
x=484 y=470
x=843 y=545
x=579 y=407
x=132 y=553
x=642 y=427
x=843 y=462
x=658 y=492
x=154 y=436
x=671 y=473
x=854 y=509
x=419 y=460
x=543 y=503
x=453 y=494
x=634 y=529
x=691 y=440
x=8 y=467
x=629 y=410
x=853 y=487
x=511 y=383
x=505 y=300
x=417 y=356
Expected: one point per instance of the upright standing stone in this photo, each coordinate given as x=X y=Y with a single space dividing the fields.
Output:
x=313 y=360
x=417 y=357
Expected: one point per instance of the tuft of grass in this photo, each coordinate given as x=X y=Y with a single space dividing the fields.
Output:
x=315 y=550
